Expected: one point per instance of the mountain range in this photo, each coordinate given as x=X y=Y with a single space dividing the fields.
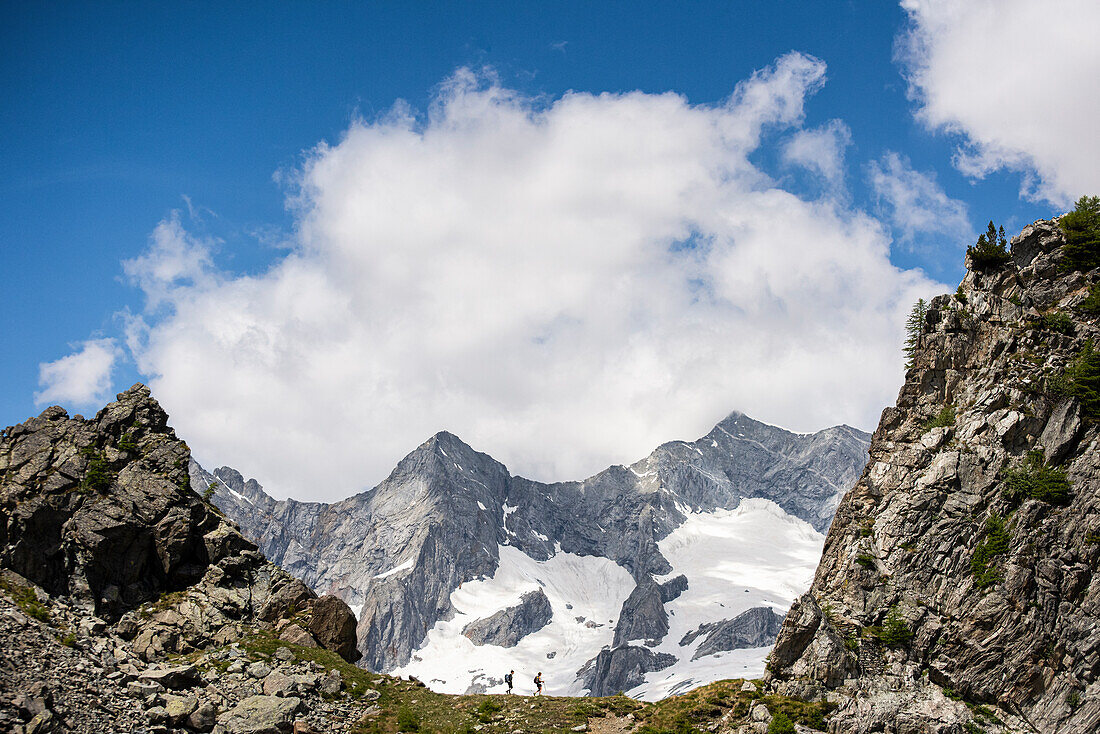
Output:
x=648 y=578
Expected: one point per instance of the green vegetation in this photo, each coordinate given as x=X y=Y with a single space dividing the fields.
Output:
x=97 y=474
x=959 y=295
x=126 y=443
x=990 y=251
x=895 y=631
x=944 y=419
x=1082 y=380
x=407 y=720
x=1082 y=229
x=982 y=565
x=208 y=493
x=27 y=601
x=69 y=640
x=1033 y=478
x=1058 y=322
x=781 y=724
x=914 y=325
x=1073 y=699
x=1091 y=305
x=1092 y=537
x=866 y=560
x=971 y=728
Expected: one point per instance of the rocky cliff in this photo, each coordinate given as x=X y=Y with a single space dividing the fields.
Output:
x=102 y=539
x=958 y=586
x=398 y=552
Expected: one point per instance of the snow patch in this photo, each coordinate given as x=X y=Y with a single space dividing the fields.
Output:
x=396 y=569
x=594 y=586
x=753 y=556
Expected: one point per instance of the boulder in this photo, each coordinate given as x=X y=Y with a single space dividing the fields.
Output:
x=332 y=624
x=261 y=715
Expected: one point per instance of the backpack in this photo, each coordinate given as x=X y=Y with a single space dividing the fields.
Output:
x=538 y=680
x=508 y=679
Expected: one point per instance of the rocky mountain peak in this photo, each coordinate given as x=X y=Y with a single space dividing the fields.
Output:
x=957 y=587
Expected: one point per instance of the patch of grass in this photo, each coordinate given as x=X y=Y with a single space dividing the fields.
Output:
x=781 y=724
x=866 y=560
x=983 y=564
x=69 y=640
x=1092 y=537
x=1033 y=478
x=27 y=601
x=1073 y=699
x=944 y=419
x=407 y=720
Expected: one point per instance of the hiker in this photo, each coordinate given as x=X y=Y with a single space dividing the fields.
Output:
x=538 y=684
x=508 y=680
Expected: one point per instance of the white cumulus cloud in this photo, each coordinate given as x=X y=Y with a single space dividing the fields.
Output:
x=820 y=150
x=82 y=378
x=1017 y=79
x=915 y=203
x=563 y=283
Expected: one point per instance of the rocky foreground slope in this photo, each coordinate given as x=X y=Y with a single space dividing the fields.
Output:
x=600 y=552
x=127 y=596
x=958 y=590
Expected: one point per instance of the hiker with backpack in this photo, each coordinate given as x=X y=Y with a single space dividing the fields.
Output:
x=538 y=684
x=508 y=680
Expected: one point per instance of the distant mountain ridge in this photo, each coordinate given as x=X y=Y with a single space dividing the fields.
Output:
x=398 y=552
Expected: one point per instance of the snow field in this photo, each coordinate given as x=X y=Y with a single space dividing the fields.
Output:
x=595 y=587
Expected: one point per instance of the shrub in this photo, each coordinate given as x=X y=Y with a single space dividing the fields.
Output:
x=781 y=724
x=208 y=493
x=1091 y=305
x=1082 y=380
x=959 y=295
x=126 y=442
x=407 y=720
x=895 y=632
x=866 y=560
x=944 y=419
x=995 y=543
x=990 y=251
x=97 y=474
x=1033 y=478
x=1082 y=229
x=1058 y=322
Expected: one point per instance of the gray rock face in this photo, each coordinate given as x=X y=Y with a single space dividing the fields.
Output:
x=508 y=626
x=756 y=627
x=396 y=552
x=1005 y=616
x=622 y=669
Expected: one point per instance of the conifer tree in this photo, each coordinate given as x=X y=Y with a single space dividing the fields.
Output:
x=913 y=327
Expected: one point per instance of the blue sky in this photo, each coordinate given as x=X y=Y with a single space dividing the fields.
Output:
x=117 y=115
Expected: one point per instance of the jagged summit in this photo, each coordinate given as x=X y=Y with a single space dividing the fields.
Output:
x=958 y=585
x=449 y=515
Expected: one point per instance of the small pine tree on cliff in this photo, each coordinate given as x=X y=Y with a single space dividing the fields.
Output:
x=913 y=326
x=1082 y=230
x=991 y=249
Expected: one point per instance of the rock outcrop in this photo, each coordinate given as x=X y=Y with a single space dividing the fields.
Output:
x=508 y=626
x=101 y=512
x=756 y=627
x=958 y=586
x=622 y=668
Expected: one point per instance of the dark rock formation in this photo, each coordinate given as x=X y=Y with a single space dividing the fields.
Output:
x=508 y=626
x=643 y=616
x=101 y=512
x=754 y=627
x=333 y=626
x=622 y=669
x=956 y=567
